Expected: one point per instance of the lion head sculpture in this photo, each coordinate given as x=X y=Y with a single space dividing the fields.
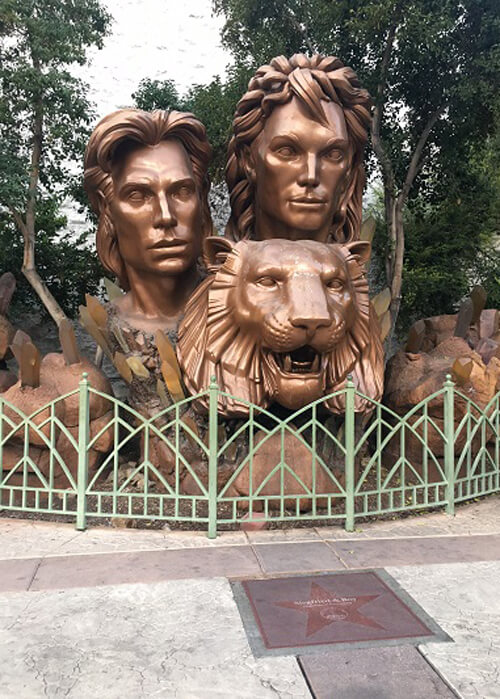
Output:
x=282 y=321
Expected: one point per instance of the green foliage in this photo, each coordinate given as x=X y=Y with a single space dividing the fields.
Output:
x=445 y=59
x=158 y=94
x=213 y=104
x=66 y=263
x=445 y=53
x=39 y=39
x=45 y=117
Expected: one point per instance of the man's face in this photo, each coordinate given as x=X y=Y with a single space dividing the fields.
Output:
x=156 y=209
x=299 y=169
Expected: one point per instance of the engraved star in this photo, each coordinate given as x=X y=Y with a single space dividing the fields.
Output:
x=324 y=608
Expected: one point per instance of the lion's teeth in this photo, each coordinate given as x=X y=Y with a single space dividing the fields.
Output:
x=287 y=364
x=315 y=364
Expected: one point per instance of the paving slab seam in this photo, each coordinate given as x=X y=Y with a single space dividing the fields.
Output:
x=406 y=536
x=344 y=563
x=447 y=682
x=37 y=568
x=304 y=675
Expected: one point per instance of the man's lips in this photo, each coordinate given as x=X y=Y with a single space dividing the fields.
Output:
x=308 y=200
x=168 y=244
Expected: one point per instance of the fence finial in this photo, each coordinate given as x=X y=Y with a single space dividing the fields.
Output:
x=449 y=381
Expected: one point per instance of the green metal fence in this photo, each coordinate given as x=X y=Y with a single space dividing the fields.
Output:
x=307 y=466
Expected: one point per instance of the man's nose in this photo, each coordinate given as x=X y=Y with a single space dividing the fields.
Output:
x=309 y=176
x=163 y=215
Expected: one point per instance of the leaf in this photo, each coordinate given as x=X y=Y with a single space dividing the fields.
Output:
x=97 y=312
x=29 y=370
x=68 y=342
x=190 y=422
x=368 y=229
x=138 y=367
x=120 y=362
x=117 y=332
x=415 y=337
x=464 y=318
x=7 y=288
x=385 y=325
x=19 y=339
x=113 y=290
x=90 y=326
x=167 y=352
x=382 y=301
x=478 y=296
x=172 y=380
x=461 y=370
x=6 y=335
x=161 y=391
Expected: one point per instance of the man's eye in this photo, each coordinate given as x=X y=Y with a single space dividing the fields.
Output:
x=184 y=192
x=267 y=282
x=335 y=154
x=335 y=284
x=137 y=195
x=287 y=151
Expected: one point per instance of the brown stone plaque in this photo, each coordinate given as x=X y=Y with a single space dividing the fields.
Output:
x=326 y=609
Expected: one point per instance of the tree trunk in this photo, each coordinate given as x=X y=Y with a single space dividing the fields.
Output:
x=27 y=226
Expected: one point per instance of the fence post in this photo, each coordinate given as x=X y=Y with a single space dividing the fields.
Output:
x=449 y=447
x=350 y=391
x=212 y=458
x=83 y=456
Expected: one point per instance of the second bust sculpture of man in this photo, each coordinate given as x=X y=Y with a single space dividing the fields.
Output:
x=295 y=160
x=146 y=177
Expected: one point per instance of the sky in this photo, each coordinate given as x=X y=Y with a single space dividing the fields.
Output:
x=155 y=39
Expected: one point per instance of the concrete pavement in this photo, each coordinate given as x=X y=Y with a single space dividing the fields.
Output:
x=136 y=613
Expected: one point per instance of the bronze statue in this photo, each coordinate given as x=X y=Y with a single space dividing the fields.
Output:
x=282 y=321
x=146 y=177
x=295 y=160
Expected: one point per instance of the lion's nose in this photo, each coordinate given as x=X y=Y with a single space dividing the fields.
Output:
x=309 y=322
x=308 y=305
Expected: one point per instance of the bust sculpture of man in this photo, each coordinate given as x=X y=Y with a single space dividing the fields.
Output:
x=295 y=160
x=146 y=177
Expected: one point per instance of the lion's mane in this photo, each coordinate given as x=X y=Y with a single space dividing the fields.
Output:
x=212 y=345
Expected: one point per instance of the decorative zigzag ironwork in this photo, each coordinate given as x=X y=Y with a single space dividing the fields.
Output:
x=388 y=463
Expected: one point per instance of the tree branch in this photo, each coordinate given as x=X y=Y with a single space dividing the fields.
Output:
x=415 y=163
x=19 y=221
x=302 y=28
x=380 y=152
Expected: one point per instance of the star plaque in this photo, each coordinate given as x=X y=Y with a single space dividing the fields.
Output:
x=336 y=608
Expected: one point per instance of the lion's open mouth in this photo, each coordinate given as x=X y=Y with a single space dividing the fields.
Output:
x=304 y=360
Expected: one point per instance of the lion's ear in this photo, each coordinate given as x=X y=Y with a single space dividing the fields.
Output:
x=215 y=251
x=360 y=250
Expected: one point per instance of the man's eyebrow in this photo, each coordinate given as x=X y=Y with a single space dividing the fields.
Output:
x=136 y=182
x=336 y=143
x=284 y=137
x=182 y=181
x=267 y=270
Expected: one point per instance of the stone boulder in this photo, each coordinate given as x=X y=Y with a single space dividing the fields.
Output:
x=411 y=377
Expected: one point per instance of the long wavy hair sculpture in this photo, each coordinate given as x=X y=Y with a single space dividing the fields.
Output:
x=147 y=129
x=312 y=80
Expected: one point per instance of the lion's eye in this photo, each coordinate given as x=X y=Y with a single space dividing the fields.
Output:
x=335 y=284
x=267 y=282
